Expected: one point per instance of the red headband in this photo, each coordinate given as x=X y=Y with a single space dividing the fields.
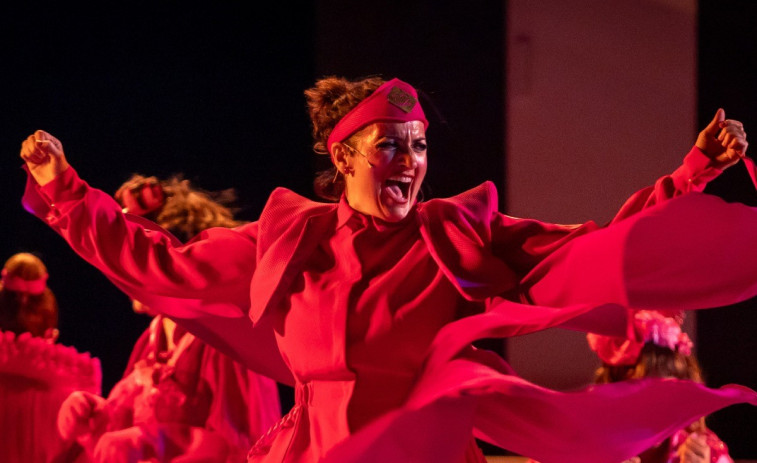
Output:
x=650 y=326
x=19 y=285
x=142 y=199
x=393 y=101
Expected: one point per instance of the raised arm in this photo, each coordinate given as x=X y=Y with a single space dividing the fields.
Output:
x=694 y=252
x=719 y=146
x=135 y=254
x=203 y=285
x=44 y=157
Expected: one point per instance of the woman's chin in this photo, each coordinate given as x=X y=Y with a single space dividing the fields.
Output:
x=393 y=211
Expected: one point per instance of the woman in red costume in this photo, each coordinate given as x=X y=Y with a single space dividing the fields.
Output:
x=27 y=305
x=36 y=373
x=179 y=399
x=369 y=304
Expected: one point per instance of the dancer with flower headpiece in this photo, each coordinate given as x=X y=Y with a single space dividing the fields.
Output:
x=370 y=303
x=659 y=348
x=179 y=399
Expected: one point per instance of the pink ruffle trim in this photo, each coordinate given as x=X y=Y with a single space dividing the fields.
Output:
x=56 y=365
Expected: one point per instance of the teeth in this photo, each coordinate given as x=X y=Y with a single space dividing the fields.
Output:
x=401 y=178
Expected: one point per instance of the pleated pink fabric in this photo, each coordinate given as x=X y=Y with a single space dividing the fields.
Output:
x=35 y=377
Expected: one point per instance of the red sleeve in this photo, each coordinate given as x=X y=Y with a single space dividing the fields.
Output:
x=215 y=268
x=203 y=285
x=524 y=243
x=690 y=252
x=692 y=176
x=558 y=270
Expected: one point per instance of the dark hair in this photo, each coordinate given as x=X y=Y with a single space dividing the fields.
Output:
x=654 y=361
x=186 y=210
x=328 y=101
x=24 y=312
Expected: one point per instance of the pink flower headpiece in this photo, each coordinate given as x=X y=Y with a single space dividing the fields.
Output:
x=650 y=326
x=141 y=199
x=19 y=285
x=393 y=101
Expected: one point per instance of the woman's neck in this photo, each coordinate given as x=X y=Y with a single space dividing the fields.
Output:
x=169 y=328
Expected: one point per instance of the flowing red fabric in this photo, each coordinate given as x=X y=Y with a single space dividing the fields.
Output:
x=706 y=245
x=603 y=423
x=653 y=256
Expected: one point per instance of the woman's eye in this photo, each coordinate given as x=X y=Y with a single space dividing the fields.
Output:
x=387 y=145
x=420 y=147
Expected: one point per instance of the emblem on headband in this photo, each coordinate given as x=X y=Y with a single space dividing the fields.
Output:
x=401 y=99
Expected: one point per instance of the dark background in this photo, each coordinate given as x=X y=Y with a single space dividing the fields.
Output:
x=215 y=92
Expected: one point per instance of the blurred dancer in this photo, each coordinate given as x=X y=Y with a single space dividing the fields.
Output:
x=179 y=399
x=660 y=350
x=27 y=305
x=36 y=373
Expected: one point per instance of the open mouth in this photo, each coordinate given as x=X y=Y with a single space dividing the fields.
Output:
x=398 y=188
